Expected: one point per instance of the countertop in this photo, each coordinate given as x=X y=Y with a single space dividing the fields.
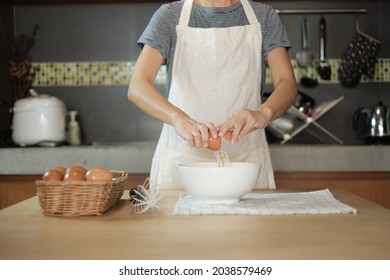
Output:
x=136 y=157
x=25 y=233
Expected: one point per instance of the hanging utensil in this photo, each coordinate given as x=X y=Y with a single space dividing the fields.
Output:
x=323 y=67
x=304 y=56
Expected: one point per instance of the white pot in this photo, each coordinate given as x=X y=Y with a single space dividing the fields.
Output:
x=39 y=120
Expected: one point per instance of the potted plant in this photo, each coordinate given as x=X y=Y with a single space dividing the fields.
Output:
x=21 y=69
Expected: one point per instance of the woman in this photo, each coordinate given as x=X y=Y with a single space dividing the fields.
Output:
x=215 y=53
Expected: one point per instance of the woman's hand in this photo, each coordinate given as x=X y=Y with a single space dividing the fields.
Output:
x=243 y=121
x=195 y=133
x=145 y=96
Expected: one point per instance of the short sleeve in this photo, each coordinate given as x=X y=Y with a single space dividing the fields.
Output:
x=274 y=33
x=160 y=31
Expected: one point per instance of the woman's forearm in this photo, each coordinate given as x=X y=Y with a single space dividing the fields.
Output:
x=281 y=99
x=148 y=99
x=144 y=94
x=285 y=87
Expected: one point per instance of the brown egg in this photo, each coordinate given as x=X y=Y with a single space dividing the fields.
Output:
x=79 y=168
x=74 y=175
x=228 y=135
x=52 y=175
x=214 y=144
x=98 y=175
x=60 y=169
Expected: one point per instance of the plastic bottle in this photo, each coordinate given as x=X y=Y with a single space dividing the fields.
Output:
x=74 y=135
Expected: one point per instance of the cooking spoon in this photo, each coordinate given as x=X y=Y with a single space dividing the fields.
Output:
x=304 y=56
x=323 y=67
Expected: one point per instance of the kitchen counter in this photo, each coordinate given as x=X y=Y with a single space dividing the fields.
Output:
x=136 y=157
x=25 y=233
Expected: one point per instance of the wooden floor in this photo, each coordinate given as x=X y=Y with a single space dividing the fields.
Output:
x=374 y=186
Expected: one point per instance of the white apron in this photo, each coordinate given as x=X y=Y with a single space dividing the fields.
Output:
x=215 y=70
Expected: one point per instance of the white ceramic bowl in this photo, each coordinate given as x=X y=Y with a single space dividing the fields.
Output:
x=213 y=184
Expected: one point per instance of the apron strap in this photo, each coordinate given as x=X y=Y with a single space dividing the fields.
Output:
x=250 y=14
x=187 y=7
x=185 y=13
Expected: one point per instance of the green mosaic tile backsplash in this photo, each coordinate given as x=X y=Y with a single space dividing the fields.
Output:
x=119 y=73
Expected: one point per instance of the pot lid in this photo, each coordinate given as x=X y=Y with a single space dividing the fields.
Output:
x=42 y=100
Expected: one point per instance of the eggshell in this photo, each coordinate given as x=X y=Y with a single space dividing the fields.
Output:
x=214 y=144
x=74 y=175
x=52 y=175
x=76 y=167
x=98 y=174
x=60 y=169
x=228 y=135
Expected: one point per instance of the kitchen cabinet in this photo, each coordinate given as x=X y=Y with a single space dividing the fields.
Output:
x=374 y=186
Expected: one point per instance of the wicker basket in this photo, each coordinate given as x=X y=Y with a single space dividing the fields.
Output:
x=80 y=198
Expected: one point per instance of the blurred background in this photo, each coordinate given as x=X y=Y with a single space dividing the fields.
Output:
x=98 y=40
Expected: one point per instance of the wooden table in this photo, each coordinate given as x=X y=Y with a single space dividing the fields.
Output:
x=121 y=234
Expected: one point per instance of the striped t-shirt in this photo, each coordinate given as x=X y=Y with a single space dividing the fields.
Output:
x=161 y=30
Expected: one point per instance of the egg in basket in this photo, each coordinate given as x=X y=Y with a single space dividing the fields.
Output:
x=76 y=191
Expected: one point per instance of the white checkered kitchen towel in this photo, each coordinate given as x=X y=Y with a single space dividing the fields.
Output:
x=301 y=203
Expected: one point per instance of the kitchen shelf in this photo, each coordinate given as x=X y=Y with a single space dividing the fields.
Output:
x=61 y=2
x=306 y=120
x=320 y=11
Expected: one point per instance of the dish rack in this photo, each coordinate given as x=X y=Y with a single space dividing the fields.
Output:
x=307 y=120
x=80 y=198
